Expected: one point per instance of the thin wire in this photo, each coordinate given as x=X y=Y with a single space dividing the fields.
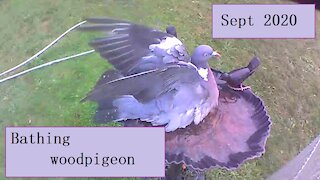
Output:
x=44 y=65
x=309 y=157
x=43 y=50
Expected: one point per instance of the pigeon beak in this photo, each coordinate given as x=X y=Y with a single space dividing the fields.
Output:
x=216 y=54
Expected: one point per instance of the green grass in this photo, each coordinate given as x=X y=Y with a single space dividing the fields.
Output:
x=288 y=79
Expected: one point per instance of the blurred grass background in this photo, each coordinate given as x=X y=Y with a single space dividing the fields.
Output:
x=288 y=80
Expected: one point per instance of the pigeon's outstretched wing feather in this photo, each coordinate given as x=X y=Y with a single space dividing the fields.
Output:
x=160 y=81
x=175 y=96
x=133 y=48
x=108 y=76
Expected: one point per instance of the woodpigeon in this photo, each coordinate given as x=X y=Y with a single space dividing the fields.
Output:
x=230 y=134
x=157 y=81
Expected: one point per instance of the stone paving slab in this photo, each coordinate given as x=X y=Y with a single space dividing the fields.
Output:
x=305 y=166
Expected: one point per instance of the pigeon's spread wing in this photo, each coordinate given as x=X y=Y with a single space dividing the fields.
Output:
x=153 y=96
x=133 y=48
x=159 y=81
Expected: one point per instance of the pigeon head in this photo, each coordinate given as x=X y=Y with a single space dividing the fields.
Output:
x=202 y=54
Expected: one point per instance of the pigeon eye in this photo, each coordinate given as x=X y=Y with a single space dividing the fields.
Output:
x=205 y=54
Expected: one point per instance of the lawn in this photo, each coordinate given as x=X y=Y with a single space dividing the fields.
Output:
x=288 y=80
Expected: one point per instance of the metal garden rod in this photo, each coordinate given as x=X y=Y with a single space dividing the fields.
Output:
x=45 y=64
x=44 y=49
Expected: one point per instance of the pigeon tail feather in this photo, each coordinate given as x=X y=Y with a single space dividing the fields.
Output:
x=254 y=63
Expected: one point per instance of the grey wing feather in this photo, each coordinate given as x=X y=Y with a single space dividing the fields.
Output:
x=108 y=76
x=160 y=81
x=128 y=46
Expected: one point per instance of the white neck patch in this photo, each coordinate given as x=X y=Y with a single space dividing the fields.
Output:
x=203 y=73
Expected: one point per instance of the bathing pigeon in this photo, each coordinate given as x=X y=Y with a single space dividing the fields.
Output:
x=157 y=81
x=232 y=133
